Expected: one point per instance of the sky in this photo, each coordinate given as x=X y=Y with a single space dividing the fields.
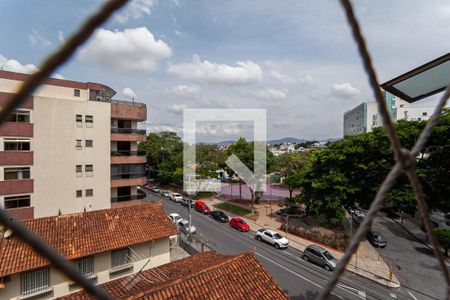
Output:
x=294 y=58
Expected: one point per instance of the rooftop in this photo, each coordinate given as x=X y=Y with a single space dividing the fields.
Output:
x=87 y=233
x=207 y=275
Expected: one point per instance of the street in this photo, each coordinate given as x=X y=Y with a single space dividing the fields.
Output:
x=300 y=279
x=412 y=262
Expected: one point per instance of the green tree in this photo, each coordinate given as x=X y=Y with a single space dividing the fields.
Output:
x=443 y=236
x=209 y=159
x=293 y=182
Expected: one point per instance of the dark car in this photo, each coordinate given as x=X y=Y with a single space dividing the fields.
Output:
x=376 y=239
x=219 y=216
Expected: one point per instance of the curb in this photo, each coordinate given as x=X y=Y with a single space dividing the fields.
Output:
x=412 y=234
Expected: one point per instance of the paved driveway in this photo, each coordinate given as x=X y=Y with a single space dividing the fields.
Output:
x=411 y=261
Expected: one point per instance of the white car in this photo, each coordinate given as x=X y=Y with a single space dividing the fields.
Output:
x=165 y=194
x=184 y=226
x=176 y=197
x=272 y=237
x=175 y=218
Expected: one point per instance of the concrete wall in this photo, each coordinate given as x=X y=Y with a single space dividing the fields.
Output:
x=56 y=156
x=158 y=252
x=354 y=120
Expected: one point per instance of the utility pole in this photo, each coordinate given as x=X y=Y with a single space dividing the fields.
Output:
x=287 y=225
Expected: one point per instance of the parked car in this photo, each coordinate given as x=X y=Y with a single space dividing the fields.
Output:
x=201 y=206
x=272 y=237
x=175 y=217
x=219 y=215
x=184 y=226
x=376 y=239
x=176 y=197
x=165 y=194
x=239 y=224
x=186 y=202
x=320 y=256
x=155 y=189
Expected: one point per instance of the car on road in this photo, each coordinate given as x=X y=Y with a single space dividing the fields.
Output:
x=319 y=256
x=165 y=194
x=201 y=207
x=186 y=202
x=176 y=197
x=272 y=237
x=239 y=224
x=376 y=239
x=184 y=226
x=175 y=217
x=219 y=215
x=154 y=189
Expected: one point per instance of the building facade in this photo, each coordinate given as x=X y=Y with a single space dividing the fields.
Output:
x=364 y=117
x=102 y=245
x=68 y=148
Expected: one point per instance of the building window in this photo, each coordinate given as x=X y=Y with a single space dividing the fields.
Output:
x=16 y=145
x=88 y=143
x=20 y=116
x=17 y=173
x=79 y=193
x=79 y=120
x=89 y=121
x=120 y=258
x=76 y=93
x=79 y=170
x=79 y=144
x=89 y=192
x=424 y=114
x=89 y=169
x=84 y=266
x=17 y=201
x=34 y=281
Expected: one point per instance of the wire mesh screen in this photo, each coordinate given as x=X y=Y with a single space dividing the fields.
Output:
x=405 y=159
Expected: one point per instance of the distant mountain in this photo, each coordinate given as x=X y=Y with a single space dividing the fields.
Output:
x=288 y=140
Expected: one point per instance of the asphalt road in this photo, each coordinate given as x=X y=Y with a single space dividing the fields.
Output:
x=300 y=279
x=411 y=261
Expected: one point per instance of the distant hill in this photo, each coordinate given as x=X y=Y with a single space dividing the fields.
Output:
x=288 y=140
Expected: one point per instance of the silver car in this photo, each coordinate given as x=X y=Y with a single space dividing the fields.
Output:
x=320 y=256
x=184 y=226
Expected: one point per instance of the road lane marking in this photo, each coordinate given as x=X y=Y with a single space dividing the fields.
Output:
x=356 y=292
x=412 y=296
x=296 y=274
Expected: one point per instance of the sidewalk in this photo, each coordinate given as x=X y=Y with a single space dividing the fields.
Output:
x=369 y=263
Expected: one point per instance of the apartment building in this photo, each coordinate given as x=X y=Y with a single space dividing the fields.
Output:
x=102 y=245
x=364 y=117
x=68 y=148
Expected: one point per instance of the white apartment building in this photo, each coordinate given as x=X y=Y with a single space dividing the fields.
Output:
x=68 y=148
x=364 y=117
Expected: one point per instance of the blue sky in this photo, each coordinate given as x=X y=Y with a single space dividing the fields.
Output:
x=294 y=58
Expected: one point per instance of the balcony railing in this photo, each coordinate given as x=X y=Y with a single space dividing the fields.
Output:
x=128 y=153
x=128 y=102
x=128 y=130
x=128 y=198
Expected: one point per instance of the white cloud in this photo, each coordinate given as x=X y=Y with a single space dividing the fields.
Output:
x=127 y=92
x=344 y=90
x=272 y=94
x=36 y=39
x=308 y=80
x=15 y=66
x=136 y=9
x=176 y=108
x=281 y=124
x=186 y=90
x=131 y=50
x=58 y=76
x=61 y=37
x=244 y=72
x=179 y=33
x=282 y=77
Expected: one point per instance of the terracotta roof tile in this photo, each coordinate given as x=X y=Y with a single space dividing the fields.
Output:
x=207 y=275
x=88 y=233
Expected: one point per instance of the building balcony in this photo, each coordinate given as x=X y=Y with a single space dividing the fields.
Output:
x=11 y=187
x=128 y=157
x=28 y=103
x=16 y=158
x=21 y=213
x=128 y=197
x=125 y=110
x=16 y=129
x=125 y=137
x=118 y=182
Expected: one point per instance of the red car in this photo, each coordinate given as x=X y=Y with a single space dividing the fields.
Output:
x=239 y=224
x=201 y=206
